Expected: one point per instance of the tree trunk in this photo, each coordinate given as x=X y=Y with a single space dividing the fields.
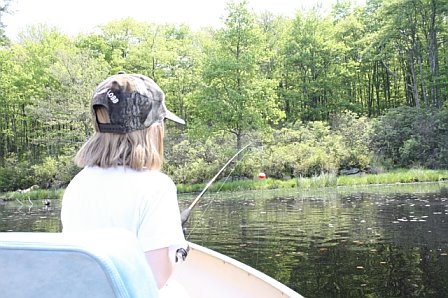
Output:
x=415 y=97
x=422 y=77
x=433 y=58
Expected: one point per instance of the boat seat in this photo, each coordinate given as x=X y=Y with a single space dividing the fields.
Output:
x=103 y=263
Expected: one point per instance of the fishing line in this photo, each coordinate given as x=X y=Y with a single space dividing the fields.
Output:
x=210 y=203
x=217 y=192
x=185 y=214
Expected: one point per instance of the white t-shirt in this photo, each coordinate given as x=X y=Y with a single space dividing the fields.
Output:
x=143 y=202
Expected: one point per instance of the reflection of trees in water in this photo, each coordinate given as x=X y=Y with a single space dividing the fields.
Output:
x=401 y=258
x=349 y=245
x=382 y=270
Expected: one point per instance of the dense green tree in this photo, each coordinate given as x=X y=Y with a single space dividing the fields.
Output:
x=96 y=44
x=310 y=57
x=379 y=69
x=6 y=90
x=411 y=136
x=274 y=31
x=46 y=94
x=402 y=29
x=349 y=73
x=66 y=110
x=234 y=99
x=120 y=37
x=433 y=15
x=27 y=83
x=408 y=48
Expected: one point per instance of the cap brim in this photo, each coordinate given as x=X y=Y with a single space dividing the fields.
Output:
x=173 y=117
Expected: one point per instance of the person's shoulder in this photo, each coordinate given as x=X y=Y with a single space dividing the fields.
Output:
x=158 y=181
x=158 y=176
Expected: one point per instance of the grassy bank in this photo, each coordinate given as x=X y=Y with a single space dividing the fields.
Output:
x=325 y=180
x=316 y=182
x=37 y=194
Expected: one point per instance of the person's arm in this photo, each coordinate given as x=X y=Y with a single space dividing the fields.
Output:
x=160 y=264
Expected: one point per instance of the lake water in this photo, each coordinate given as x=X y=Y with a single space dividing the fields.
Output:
x=378 y=241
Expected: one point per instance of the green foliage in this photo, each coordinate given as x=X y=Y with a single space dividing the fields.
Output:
x=317 y=181
x=235 y=185
x=15 y=174
x=304 y=150
x=305 y=91
x=21 y=174
x=234 y=99
x=310 y=72
x=411 y=137
x=395 y=176
x=46 y=171
x=355 y=133
x=193 y=161
x=54 y=172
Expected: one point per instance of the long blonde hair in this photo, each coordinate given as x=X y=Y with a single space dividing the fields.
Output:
x=138 y=149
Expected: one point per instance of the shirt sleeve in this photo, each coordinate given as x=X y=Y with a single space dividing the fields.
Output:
x=160 y=218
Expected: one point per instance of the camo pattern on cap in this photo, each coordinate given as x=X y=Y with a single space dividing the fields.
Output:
x=133 y=102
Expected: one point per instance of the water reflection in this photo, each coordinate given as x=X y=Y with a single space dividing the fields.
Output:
x=388 y=241
x=378 y=243
x=30 y=216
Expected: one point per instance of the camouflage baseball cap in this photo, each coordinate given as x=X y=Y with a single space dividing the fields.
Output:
x=133 y=102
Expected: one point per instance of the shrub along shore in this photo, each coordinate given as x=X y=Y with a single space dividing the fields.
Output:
x=305 y=183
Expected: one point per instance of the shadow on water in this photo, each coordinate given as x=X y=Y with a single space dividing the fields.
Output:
x=377 y=241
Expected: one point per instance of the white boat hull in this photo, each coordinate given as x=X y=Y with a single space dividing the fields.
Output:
x=207 y=273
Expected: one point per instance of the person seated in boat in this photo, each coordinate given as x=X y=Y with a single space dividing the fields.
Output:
x=121 y=183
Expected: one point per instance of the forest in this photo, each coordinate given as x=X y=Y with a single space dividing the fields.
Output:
x=362 y=87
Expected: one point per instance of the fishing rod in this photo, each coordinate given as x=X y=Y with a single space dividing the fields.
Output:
x=186 y=213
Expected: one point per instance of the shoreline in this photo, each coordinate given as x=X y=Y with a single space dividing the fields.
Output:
x=302 y=183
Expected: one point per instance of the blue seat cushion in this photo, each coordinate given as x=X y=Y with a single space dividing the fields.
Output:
x=102 y=263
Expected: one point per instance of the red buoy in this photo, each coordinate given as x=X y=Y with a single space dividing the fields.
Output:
x=261 y=175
